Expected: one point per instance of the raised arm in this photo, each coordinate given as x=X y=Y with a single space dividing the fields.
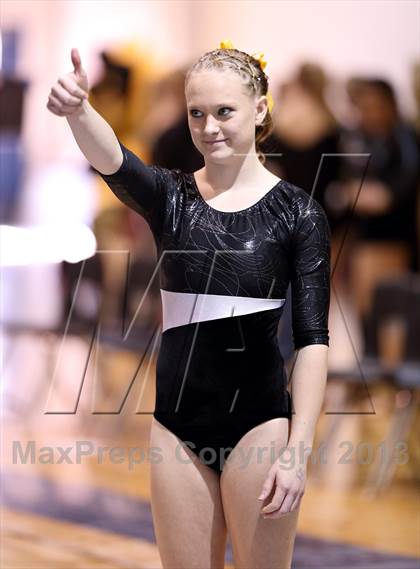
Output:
x=94 y=136
x=141 y=187
x=96 y=139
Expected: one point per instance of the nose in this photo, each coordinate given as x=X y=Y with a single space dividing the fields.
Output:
x=211 y=126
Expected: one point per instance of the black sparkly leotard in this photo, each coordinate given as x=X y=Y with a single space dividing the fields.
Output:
x=223 y=278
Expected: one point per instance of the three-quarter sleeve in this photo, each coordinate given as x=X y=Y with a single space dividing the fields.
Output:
x=310 y=273
x=139 y=186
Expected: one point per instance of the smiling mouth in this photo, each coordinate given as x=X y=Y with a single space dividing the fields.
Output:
x=215 y=141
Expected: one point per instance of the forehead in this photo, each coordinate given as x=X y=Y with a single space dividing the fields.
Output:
x=213 y=86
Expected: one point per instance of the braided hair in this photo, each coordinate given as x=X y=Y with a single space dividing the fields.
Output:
x=251 y=72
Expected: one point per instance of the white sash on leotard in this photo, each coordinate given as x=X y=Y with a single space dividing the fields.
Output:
x=180 y=308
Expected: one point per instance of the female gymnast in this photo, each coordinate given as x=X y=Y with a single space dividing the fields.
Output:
x=230 y=238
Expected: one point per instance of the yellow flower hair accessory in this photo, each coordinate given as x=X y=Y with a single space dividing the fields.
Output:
x=259 y=56
x=226 y=44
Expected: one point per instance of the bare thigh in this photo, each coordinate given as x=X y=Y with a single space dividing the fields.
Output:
x=186 y=506
x=256 y=542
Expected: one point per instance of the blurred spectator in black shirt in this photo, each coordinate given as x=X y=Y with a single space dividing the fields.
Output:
x=388 y=177
x=174 y=148
x=305 y=129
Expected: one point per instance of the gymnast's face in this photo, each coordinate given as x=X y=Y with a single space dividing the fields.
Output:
x=221 y=114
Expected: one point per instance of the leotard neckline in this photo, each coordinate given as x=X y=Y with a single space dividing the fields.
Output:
x=235 y=212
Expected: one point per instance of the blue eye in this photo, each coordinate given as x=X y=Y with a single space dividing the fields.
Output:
x=200 y=113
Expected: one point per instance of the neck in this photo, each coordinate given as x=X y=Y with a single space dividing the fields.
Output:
x=237 y=172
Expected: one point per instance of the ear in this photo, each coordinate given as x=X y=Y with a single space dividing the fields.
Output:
x=261 y=108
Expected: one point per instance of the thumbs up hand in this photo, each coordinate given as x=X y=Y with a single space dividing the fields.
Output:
x=70 y=90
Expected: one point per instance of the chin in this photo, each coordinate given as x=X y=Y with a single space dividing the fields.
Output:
x=217 y=157
x=225 y=152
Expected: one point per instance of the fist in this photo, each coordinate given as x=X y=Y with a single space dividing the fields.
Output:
x=68 y=93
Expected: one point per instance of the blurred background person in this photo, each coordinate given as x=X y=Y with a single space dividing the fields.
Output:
x=378 y=190
x=305 y=130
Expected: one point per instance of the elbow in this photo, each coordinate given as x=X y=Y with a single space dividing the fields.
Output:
x=112 y=165
x=312 y=339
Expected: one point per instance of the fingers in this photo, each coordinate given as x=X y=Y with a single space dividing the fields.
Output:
x=73 y=91
x=57 y=107
x=54 y=109
x=276 y=501
x=296 y=501
x=63 y=97
x=283 y=502
x=290 y=504
x=280 y=506
x=268 y=485
x=76 y=60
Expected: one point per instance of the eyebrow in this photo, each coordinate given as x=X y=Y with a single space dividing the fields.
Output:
x=218 y=105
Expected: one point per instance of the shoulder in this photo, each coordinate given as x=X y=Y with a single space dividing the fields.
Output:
x=299 y=201
x=305 y=211
x=175 y=184
x=135 y=167
x=168 y=176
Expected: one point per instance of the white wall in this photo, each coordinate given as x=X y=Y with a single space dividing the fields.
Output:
x=379 y=36
x=347 y=36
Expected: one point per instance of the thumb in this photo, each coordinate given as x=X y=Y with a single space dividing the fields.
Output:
x=268 y=484
x=76 y=60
